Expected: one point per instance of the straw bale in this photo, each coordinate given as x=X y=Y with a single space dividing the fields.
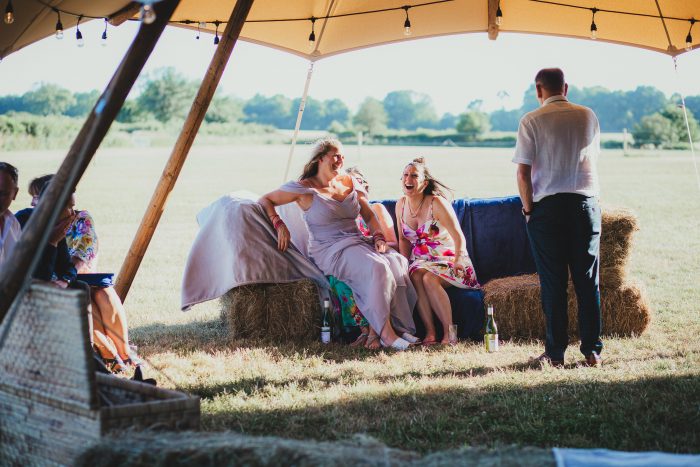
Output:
x=214 y=449
x=288 y=312
x=518 y=311
x=618 y=228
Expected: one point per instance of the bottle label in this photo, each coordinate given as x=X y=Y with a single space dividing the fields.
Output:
x=491 y=342
x=325 y=335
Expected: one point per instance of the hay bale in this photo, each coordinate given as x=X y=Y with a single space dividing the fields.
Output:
x=519 y=313
x=618 y=228
x=228 y=448
x=287 y=312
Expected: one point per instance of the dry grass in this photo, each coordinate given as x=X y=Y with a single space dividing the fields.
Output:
x=644 y=398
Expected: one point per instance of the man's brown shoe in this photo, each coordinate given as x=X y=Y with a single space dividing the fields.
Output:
x=594 y=360
x=545 y=359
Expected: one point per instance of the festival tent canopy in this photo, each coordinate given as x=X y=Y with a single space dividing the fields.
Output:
x=344 y=25
x=336 y=26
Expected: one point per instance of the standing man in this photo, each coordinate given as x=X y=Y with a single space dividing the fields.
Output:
x=557 y=152
x=9 y=227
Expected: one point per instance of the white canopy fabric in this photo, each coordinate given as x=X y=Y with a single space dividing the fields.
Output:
x=345 y=25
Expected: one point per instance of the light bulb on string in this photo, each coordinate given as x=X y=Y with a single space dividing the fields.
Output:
x=406 y=23
x=78 y=34
x=9 y=13
x=499 y=15
x=103 y=42
x=148 y=14
x=312 y=36
x=594 y=28
x=216 y=34
x=59 y=26
x=689 y=37
x=201 y=25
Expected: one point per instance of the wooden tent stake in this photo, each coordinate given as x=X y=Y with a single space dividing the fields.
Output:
x=182 y=147
x=17 y=270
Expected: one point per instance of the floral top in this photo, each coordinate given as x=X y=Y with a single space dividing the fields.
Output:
x=82 y=240
x=433 y=250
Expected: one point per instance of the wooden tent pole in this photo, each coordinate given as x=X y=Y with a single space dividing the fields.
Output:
x=24 y=257
x=182 y=147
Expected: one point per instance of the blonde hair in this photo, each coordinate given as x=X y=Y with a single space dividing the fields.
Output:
x=320 y=148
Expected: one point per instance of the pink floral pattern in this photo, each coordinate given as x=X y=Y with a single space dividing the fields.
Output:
x=433 y=250
x=82 y=239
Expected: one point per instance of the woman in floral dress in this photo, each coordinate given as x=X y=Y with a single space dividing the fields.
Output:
x=430 y=237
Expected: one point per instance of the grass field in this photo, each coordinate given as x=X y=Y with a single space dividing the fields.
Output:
x=647 y=397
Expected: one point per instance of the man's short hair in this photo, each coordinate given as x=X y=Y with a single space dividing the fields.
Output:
x=552 y=79
x=10 y=170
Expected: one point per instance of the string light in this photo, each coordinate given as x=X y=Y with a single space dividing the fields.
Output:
x=59 y=26
x=9 y=13
x=148 y=14
x=594 y=28
x=407 y=23
x=200 y=25
x=312 y=36
x=216 y=35
x=78 y=34
x=499 y=15
x=104 y=35
x=689 y=38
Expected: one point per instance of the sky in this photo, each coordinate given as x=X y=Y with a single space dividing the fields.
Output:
x=453 y=70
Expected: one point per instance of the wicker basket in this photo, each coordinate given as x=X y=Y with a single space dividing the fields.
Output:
x=52 y=403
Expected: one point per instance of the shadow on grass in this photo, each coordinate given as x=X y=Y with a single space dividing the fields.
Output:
x=251 y=386
x=650 y=414
x=212 y=335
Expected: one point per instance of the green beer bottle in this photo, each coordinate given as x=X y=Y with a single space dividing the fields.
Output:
x=490 y=332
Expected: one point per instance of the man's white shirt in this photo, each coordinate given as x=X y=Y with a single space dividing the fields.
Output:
x=9 y=236
x=561 y=142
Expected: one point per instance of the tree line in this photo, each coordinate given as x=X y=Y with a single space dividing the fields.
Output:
x=166 y=95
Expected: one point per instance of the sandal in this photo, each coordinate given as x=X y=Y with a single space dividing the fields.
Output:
x=428 y=343
x=370 y=343
x=115 y=365
x=360 y=341
x=398 y=344
x=411 y=338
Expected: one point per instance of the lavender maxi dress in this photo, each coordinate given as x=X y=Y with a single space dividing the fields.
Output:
x=379 y=281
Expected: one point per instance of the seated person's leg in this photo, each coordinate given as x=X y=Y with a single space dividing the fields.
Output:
x=113 y=319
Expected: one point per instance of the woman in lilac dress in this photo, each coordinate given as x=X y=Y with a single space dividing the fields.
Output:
x=330 y=202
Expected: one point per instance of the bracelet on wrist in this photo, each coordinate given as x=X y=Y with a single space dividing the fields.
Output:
x=525 y=212
x=278 y=224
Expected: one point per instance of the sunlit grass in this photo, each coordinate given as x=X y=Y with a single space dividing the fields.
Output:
x=645 y=398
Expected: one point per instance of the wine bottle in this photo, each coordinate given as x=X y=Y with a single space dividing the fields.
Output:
x=326 y=325
x=491 y=332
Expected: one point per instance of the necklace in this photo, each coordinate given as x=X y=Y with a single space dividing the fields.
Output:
x=410 y=211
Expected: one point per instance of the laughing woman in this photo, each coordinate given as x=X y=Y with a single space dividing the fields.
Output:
x=330 y=202
x=430 y=237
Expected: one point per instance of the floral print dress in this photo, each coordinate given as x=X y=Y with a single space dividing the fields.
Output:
x=82 y=240
x=434 y=250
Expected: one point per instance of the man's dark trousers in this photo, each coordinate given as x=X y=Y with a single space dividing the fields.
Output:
x=564 y=232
